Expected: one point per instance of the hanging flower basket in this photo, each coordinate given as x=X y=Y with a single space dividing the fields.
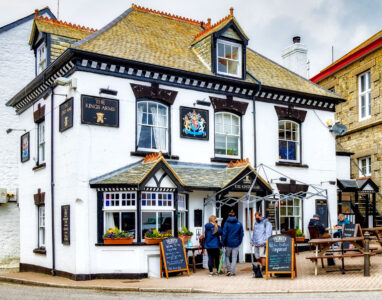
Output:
x=121 y=241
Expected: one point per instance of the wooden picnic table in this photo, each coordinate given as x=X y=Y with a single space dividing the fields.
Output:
x=326 y=252
x=375 y=231
x=194 y=263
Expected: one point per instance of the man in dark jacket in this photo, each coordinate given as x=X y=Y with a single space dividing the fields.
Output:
x=232 y=237
x=315 y=222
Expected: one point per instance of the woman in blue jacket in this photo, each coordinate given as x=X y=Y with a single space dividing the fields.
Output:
x=212 y=243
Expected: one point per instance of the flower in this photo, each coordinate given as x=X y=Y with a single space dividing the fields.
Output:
x=155 y=234
x=117 y=234
x=185 y=231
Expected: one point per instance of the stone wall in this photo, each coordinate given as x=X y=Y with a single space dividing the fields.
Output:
x=9 y=242
x=364 y=138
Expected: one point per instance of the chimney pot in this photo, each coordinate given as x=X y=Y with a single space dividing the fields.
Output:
x=296 y=39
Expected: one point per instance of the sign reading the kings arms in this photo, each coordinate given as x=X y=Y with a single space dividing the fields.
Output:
x=99 y=111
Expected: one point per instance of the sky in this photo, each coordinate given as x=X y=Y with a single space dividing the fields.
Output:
x=269 y=24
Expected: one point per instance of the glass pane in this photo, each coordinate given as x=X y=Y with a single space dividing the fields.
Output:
x=232 y=145
x=227 y=129
x=282 y=211
x=162 y=110
x=368 y=85
x=220 y=147
x=165 y=222
x=235 y=120
x=150 y=119
x=235 y=53
x=294 y=136
x=296 y=202
x=288 y=135
x=154 y=138
x=290 y=211
x=233 y=67
x=228 y=53
x=292 y=151
x=236 y=130
x=296 y=211
x=290 y=202
x=128 y=222
x=218 y=119
x=144 y=138
x=284 y=223
x=220 y=49
x=369 y=104
x=142 y=106
x=152 y=108
x=362 y=79
x=227 y=119
x=111 y=220
x=283 y=148
x=222 y=65
x=148 y=222
x=144 y=118
x=288 y=126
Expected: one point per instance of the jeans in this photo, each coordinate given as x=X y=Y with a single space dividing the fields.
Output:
x=231 y=266
x=213 y=257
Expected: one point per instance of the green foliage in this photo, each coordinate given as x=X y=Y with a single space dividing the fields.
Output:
x=155 y=234
x=185 y=231
x=117 y=234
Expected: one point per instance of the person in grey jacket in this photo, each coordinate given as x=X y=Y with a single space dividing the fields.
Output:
x=261 y=232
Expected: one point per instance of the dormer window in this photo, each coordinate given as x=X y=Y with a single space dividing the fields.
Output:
x=41 y=58
x=229 y=60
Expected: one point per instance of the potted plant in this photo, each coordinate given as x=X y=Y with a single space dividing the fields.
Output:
x=153 y=237
x=117 y=237
x=185 y=235
x=300 y=237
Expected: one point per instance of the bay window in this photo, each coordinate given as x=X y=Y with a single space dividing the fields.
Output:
x=228 y=58
x=157 y=212
x=152 y=126
x=227 y=135
x=119 y=209
x=289 y=141
x=364 y=94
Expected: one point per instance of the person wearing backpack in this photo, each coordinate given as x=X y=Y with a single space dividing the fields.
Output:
x=232 y=237
x=212 y=243
x=262 y=230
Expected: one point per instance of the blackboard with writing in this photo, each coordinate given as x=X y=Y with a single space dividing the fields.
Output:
x=349 y=230
x=322 y=211
x=173 y=255
x=280 y=255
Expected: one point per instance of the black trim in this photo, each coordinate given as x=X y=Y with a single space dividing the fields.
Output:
x=40 y=250
x=204 y=103
x=344 y=153
x=144 y=153
x=161 y=178
x=108 y=92
x=48 y=49
x=291 y=164
x=187 y=211
x=139 y=217
x=100 y=224
x=39 y=167
x=175 y=213
x=125 y=245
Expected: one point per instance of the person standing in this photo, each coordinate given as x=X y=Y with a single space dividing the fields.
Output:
x=212 y=243
x=342 y=220
x=261 y=232
x=232 y=237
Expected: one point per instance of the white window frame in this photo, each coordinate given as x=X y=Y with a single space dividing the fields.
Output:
x=41 y=226
x=154 y=126
x=119 y=208
x=295 y=215
x=367 y=160
x=182 y=211
x=156 y=219
x=41 y=57
x=366 y=93
x=41 y=142
x=228 y=135
x=239 y=60
x=297 y=141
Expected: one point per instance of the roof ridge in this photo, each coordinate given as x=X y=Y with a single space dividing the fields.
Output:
x=210 y=27
x=62 y=23
x=166 y=14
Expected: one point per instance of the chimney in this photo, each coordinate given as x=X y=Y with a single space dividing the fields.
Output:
x=295 y=57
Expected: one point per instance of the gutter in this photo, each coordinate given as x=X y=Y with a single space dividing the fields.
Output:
x=52 y=181
x=254 y=118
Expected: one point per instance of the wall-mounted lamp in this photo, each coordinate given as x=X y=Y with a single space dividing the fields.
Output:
x=9 y=130
x=72 y=82
x=108 y=91
x=282 y=179
x=330 y=182
x=202 y=102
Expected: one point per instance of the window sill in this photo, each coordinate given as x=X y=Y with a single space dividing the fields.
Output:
x=290 y=164
x=224 y=159
x=124 y=245
x=40 y=250
x=144 y=153
x=39 y=167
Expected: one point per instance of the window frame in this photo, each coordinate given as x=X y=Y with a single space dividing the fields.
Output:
x=367 y=160
x=298 y=142
x=168 y=131
x=182 y=211
x=239 y=146
x=299 y=216
x=41 y=240
x=44 y=60
x=366 y=93
x=240 y=58
x=41 y=153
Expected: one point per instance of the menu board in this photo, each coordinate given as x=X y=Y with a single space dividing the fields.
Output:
x=322 y=211
x=173 y=256
x=349 y=230
x=280 y=256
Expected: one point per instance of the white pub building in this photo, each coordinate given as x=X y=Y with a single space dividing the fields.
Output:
x=139 y=124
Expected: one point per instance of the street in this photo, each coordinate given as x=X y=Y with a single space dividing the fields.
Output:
x=16 y=292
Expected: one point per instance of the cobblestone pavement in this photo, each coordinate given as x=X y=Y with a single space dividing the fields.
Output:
x=21 y=292
x=242 y=283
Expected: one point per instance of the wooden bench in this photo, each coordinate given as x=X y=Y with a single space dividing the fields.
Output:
x=312 y=258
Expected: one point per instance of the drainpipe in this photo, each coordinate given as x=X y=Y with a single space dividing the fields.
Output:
x=52 y=179
x=254 y=118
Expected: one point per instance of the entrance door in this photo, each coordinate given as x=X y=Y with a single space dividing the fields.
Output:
x=225 y=211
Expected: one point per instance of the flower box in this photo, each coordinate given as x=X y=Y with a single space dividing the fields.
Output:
x=121 y=241
x=153 y=241
x=300 y=239
x=185 y=238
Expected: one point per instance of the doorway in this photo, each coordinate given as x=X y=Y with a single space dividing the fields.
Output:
x=225 y=209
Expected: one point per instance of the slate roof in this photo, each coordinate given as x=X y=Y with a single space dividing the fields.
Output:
x=162 y=39
x=189 y=175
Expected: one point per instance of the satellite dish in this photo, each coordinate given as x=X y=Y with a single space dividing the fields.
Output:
x=339 y=129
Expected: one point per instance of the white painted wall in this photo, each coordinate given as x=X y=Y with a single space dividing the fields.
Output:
x=343 y=167
x=85 y=152
x=295 y=58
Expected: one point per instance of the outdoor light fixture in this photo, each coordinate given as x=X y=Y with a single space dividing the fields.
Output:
x=9 y=130
x=282 y=179
x=330 y=182
x=72 y=82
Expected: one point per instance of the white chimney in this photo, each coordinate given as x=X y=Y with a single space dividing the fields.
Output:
x=295 y=57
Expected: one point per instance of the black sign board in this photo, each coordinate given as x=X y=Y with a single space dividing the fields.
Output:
x=245 y=184
x=280 y=256
x=66 y=115
x=25 y=147
x=349 y=230
x=198 y=215
x=173 y=256
x=65 y=224
x=194 y=123
x=99 y=111
x=322 y=211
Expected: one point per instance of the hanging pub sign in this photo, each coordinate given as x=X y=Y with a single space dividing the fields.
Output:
x=66 y=115
x=65 y=224
x=24 y=147
x=245 y=183
x=194 y=123
x=99 y=111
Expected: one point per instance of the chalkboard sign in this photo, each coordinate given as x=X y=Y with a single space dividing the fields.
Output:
x=322 y=211
x=173 y=255
x=280 y=256
x=198 y=214
x=349 y=230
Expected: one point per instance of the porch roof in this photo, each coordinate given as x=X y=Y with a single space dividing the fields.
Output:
x=357 y=185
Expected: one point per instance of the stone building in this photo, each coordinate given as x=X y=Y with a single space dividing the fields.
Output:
x=15 y=56
x=357 y=76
